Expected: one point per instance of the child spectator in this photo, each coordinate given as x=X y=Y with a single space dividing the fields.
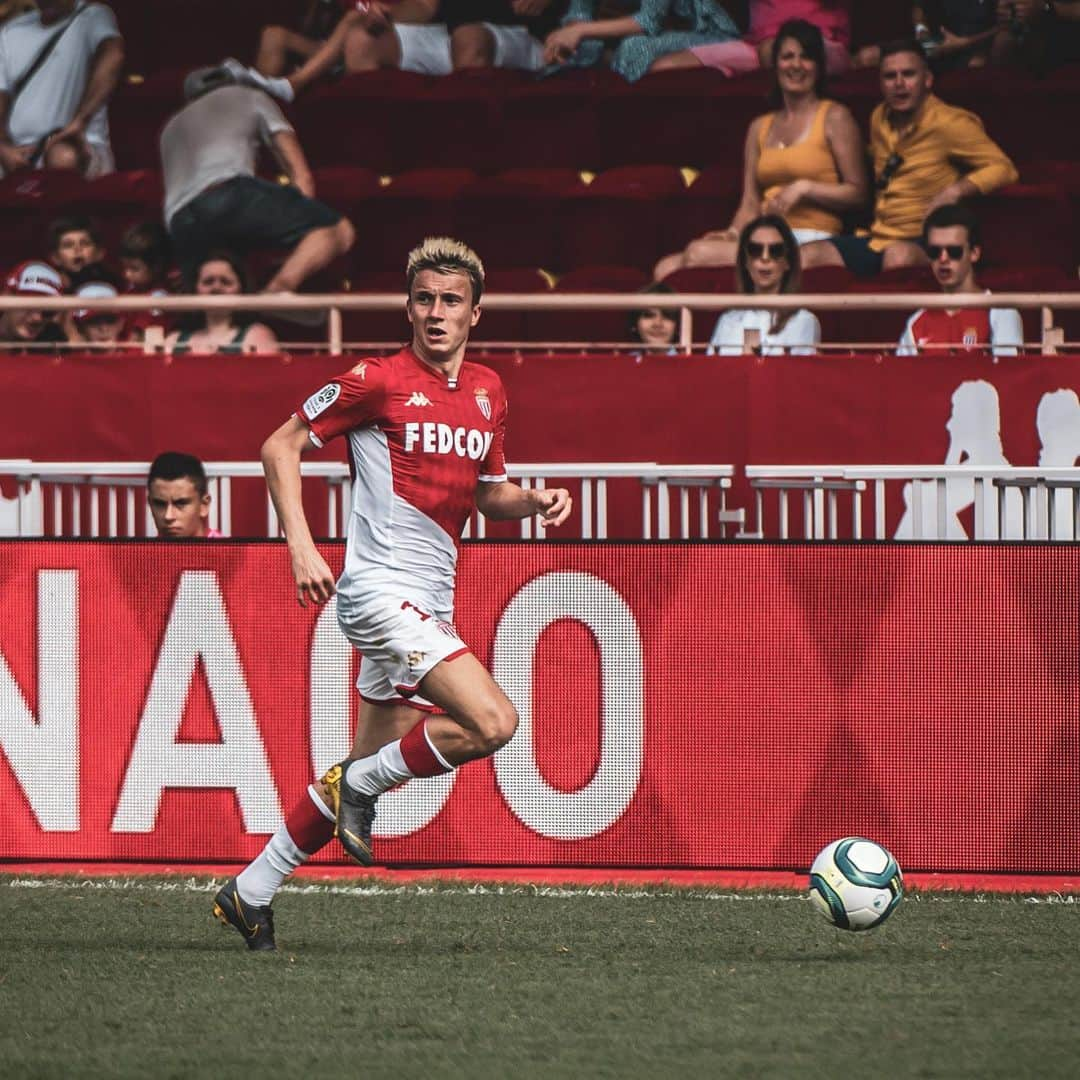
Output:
x=74 y=244
x=146 y=259
x=654 y=328
x=25 y=326
x=767 y=265
x=98 y=327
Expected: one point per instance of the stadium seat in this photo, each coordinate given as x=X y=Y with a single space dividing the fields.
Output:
x=508 y=325
x=513 y=219
x=703 y=279
x=708 y=203
x=1028 y=225
x=619 y=218
x=588 y=326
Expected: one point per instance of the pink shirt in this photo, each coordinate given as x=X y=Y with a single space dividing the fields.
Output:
x=767 y=16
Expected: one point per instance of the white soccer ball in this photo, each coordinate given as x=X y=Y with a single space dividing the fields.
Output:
x=855 y=883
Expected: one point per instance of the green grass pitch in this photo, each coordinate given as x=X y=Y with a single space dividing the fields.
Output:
x=133 y=978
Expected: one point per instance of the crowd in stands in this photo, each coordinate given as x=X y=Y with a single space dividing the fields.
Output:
x=817 y=190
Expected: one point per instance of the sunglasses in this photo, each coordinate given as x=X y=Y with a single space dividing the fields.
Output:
x=756 y=250
x=888 y=171
x=954 y=251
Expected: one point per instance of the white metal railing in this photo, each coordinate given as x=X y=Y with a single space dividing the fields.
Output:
x=334 y=304
x=920 y=502
x=107 y=499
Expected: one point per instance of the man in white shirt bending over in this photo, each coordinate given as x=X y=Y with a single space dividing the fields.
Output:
x=951 y=239
x=59 y=65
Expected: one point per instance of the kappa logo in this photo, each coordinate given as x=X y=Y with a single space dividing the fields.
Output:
x=321 y=400
x=361 y=369
x=483 y=402
x=417 y=398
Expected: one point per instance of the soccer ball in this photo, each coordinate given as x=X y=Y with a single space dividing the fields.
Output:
x=855 y=883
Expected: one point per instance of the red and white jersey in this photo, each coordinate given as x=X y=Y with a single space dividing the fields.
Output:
x=970 y=329
x=418 y=447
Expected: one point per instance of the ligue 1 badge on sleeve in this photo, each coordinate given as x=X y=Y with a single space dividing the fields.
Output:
x=483 y=402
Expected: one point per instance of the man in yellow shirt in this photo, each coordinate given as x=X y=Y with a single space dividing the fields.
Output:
x=925 y=154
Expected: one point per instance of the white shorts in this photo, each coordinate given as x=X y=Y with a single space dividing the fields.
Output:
x=400 y=643
x=808 y=236
x=426 y=49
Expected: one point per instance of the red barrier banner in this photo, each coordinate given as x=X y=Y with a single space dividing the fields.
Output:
x=682 y=705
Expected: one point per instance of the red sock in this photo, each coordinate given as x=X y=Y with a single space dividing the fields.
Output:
x=420 y=757
x=308 y=826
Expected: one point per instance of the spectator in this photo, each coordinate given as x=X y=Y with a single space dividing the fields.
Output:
x=179 y=499
x=1041 y=33
x=804 y=161
x=74 y=244
x=98 y=327
x=952 y=239
x=25 y=326
x=953 y=34
x=639 y=34
x=146 y=258
x=213 y=198
x=59 y=65
x=655 y=328
x=767 y=265
x=758 y=48
x=468 y=33
x=220 y=330
x=925 y=154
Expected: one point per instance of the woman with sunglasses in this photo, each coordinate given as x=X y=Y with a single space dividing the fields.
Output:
x=803 y=161
x=767 y=265
x=220 y=330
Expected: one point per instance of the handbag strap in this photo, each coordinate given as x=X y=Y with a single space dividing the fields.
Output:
x=44 y=53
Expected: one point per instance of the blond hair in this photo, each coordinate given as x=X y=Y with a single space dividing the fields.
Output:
x=448 y=256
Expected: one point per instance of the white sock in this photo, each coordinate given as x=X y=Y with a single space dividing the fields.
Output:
x=379 y=772
x=276 y=86
x=264 y=875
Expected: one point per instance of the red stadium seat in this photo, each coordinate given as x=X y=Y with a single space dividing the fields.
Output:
x=619 y=219
x=588 y=326
x=1027 y=224
x=703 y=279
x=708 y=203
x=513 y=219
x=508 y=325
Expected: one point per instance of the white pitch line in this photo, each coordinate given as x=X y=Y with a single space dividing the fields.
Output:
x=196 y=885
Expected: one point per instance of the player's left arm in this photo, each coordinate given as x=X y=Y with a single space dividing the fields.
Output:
x=504 y=500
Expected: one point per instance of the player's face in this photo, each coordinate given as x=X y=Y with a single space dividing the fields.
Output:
x=217 y=278
x=796 y=73
x=765 y=259
x=178 y=510
x=75 y=250
x=655 y=328
x=905 y=82
x=952 y=258
x=442 y=313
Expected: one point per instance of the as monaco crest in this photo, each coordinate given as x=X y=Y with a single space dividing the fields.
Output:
x=483 y=402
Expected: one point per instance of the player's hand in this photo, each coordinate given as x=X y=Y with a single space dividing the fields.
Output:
x=553 y=505
x=314 y=579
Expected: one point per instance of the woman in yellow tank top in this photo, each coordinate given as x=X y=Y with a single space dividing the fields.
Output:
x=805 y=161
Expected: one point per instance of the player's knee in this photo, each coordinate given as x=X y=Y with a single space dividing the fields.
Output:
x=495 y=726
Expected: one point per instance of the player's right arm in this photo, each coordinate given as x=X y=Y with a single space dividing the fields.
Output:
x=281 y=464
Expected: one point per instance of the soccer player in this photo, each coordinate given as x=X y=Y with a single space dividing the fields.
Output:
x=425 y=433
x=176 y=491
